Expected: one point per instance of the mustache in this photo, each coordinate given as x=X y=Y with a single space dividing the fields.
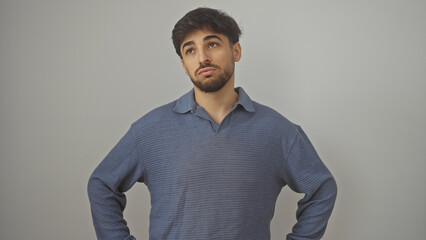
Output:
x=206 y=65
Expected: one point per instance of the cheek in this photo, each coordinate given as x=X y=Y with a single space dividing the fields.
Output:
x=227 y=57
x=186 y=66
x=191 y=67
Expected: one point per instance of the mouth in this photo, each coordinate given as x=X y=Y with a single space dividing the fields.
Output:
x=206 y=71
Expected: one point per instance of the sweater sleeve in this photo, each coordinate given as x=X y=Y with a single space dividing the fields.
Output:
x=116 y=174
x=304 y=172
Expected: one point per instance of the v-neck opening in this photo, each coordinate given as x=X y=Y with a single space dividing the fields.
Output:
x=216 y=128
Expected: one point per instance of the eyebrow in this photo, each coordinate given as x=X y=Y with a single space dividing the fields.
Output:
x=212 y=36
x=204 y=39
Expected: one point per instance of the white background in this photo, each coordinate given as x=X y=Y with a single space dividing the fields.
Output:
x=75 y=74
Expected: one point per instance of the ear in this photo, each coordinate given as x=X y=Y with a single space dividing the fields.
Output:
x=184 y=68
x=236 y=49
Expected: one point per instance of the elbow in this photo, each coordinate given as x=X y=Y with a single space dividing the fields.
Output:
x=334 y=188
x=331 y=193
x=93 y=187
x=331 y=186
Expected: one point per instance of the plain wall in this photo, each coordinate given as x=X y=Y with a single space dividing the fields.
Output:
x=75 y=74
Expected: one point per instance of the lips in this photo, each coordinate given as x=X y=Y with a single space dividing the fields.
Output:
x=206 y=71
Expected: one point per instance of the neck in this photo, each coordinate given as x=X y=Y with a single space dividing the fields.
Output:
x=217 y=104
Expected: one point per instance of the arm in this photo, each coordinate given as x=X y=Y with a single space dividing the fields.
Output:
x=304 y=172
x=116 y=174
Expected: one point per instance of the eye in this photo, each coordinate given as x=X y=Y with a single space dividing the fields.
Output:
x=213 y=44
x=189 y=51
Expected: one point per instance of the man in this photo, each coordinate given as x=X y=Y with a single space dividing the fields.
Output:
x=214 y=161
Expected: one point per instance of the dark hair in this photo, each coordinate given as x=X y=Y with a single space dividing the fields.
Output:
x=205 y=18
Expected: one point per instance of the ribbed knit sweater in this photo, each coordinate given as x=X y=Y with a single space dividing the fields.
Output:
x=209 y=180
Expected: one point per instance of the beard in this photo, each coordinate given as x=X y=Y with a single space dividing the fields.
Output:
x=213 y=84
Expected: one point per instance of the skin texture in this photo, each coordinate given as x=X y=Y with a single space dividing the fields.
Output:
x=208 y=58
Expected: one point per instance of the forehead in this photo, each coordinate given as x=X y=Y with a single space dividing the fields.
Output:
x=199 y=35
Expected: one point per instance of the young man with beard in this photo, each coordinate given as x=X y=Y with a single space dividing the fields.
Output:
x=214 y=161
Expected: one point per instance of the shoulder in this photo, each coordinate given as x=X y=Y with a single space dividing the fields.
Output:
x=157 y=116
x=275 y=123
x=270 y=115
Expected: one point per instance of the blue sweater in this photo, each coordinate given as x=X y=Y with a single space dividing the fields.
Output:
x=210 y=181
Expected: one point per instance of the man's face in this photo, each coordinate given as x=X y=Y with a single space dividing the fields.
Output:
x=209 y=59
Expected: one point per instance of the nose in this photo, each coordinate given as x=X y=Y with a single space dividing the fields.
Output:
x=203 y=57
